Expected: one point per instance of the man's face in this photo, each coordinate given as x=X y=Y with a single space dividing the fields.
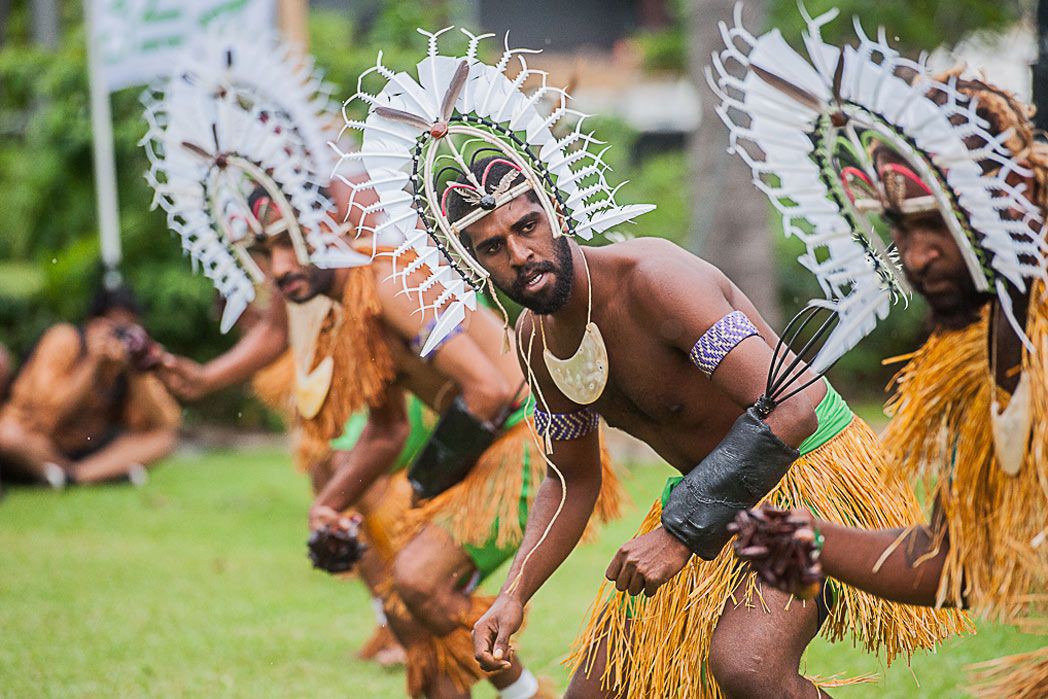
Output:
x=515 y=244
x=933 y=264
x=297 y=283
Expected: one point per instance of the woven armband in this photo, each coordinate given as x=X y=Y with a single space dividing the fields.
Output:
x=722 y=337
x=561 y=427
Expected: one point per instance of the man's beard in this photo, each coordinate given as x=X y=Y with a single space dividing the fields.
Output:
x=549 y=300
x=958 y=309
x=317 y=281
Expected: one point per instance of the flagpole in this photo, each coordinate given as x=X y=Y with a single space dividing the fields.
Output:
x=104 y=160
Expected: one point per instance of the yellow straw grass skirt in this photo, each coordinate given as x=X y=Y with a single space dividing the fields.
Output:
x=845 y=481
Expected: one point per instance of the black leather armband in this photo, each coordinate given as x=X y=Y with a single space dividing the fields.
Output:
x=454 y=448
x=747 y=464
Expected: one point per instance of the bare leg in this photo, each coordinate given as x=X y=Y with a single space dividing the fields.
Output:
x=28 y=451
x=426 y=574
x=754 y=650
x=585 y=685
x=116 y=459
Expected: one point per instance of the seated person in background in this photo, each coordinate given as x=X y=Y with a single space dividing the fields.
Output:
x=80 y=410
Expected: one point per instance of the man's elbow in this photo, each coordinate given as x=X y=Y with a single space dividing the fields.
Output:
x=795 y=421
x=486 y=399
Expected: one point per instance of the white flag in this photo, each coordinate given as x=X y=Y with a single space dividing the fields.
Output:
x=138 y=40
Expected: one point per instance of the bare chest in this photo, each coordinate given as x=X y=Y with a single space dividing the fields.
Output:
x=658 y=396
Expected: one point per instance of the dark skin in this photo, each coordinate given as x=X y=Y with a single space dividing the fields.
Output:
x=427 y=570
x=933 y=264
x=653 y=301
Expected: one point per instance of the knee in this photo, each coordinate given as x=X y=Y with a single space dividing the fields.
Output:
x=743 y=674
x=413 y=583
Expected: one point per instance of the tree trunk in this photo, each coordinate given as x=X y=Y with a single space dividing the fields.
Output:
x=730 y=217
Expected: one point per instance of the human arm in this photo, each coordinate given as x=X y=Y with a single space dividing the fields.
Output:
x=480 y=381
x=578 y=461
x=149 y=405
x=900 y=565
x=375 y=452
x=58 y=375
x=259 y=347
x=552 y=529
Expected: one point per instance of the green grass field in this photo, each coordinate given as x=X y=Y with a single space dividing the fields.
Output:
x=198 y=585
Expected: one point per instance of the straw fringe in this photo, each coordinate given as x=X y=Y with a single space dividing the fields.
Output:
x=1023 y=676
x=363 y=367
x=666 y=649
x=489 y=497
x=941 y=432
x=450 y=655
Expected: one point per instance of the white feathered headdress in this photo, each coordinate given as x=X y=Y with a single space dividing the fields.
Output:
x=422 y=134
x=236 y=116
x=814 y=130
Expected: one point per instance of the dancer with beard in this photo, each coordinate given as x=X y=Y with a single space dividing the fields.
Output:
x=476 y=474
x=659 y=344
x=960 y=181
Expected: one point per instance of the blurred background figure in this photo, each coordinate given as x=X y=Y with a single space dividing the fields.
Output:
x=83 y=408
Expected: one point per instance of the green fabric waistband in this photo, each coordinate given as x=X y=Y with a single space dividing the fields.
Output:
x=834 y=415
x=419 y=434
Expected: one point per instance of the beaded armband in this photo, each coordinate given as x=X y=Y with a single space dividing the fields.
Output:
x=420 y=340
x=562 y=427
x=722 y=337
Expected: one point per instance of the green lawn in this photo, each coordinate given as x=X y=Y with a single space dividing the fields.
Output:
x=198 y=585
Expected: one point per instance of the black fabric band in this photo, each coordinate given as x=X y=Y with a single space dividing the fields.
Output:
x=746 y=465
x=453 y=449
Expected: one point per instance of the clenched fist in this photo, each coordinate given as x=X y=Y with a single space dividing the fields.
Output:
x=646 y=563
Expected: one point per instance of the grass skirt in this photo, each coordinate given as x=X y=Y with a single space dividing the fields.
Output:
x=844 y=481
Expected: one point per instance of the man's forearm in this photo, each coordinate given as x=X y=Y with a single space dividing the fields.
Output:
x=259 y=348
x=849 y=555
x=362 y=466
x=524 y=580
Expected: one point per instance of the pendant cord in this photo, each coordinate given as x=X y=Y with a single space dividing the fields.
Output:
x=545 y=448
x=589 y=307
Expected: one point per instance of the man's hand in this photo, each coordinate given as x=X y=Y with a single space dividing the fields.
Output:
x=183 y=377
x=323 y=516
x=102 y=342
x=646 y=563
x=783 y=547
x=492 y=632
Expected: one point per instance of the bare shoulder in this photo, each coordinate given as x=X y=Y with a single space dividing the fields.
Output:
x=653 y=267
x=61 y=340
